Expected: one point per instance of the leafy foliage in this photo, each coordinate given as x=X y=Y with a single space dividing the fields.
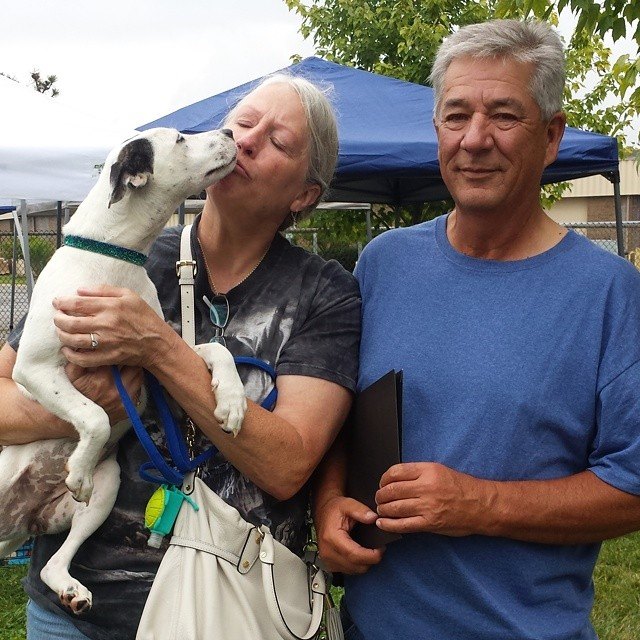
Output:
x=399 y=38
x=38 y=82
x=40 y=252
x=44 y=85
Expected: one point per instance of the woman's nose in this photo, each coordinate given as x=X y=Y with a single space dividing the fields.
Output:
x=247 y=141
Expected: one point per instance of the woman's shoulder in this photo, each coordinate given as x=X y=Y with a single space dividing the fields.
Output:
x=164 y=250
x=315 y=267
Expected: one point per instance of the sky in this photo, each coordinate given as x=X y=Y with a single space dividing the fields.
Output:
x=128 y=62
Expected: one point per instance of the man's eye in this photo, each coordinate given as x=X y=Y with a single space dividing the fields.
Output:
x=505 y=120
x=455 y=120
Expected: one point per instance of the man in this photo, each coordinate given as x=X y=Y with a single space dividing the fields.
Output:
x=520 y=346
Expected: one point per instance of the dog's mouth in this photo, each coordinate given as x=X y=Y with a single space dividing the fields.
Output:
x=221 y=167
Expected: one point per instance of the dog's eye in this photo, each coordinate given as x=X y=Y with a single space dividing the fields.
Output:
x=180 y=138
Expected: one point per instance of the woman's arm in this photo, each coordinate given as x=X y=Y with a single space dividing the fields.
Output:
x=21 y=419
x=24 y=420
x=277 y=450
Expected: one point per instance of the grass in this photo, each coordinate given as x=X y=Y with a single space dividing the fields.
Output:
x=616 y=614
x=617 y=577
x=12 y=603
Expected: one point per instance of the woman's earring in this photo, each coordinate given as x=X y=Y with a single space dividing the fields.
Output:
x=294 y=217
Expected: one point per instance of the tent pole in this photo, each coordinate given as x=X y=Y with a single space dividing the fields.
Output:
x=14 y=264
x=23 y=234
x=59 y=225
x=614 y=178
x=26 y=250
x=369 y=228
x=181 y=210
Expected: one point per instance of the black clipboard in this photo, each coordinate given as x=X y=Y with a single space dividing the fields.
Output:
x=374 y=445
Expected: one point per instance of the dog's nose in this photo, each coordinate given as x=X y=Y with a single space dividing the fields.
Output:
x=227 y=132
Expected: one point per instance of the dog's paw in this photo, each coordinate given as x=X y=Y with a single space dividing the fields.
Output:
x=231 y=404
x=226 y=385
x=80 y=485
x=76 y=597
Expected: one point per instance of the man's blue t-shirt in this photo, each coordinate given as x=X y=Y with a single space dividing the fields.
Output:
x=514 y=370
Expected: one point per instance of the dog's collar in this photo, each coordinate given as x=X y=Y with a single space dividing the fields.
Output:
x=106 y=249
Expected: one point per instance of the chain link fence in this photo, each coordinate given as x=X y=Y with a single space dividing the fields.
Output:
x=14 y=300
x=604 y=234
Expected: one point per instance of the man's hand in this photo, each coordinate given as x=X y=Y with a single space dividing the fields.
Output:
x=334 y=520
x=429 y=497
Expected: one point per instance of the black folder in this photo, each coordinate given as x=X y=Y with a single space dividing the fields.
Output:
x=374 y=445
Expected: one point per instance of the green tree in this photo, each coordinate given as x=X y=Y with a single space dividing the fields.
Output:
x=399 y=38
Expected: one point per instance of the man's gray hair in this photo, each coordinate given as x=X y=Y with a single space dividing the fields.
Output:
x=528 y=41
x=322 y=129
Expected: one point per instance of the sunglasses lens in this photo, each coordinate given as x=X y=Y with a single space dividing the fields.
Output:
x=219 y=311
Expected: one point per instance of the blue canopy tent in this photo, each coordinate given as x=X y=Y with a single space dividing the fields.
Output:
x=388 y=147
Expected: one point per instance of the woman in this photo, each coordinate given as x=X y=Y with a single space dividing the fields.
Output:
x=287 y=307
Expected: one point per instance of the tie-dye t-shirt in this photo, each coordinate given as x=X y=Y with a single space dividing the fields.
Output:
x=297 y=312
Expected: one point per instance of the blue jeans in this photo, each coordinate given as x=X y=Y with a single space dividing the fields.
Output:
x=43 y=624
x=351 y=632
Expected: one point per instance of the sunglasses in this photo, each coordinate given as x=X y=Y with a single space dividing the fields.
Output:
x=219 y=316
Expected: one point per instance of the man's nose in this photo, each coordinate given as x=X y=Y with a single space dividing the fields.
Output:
x=477 y=134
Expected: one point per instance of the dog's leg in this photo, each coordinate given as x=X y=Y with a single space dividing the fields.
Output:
x=231 y=402
x=55 y=392
x=86 y=519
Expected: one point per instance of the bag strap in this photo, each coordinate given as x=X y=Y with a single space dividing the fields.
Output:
x=186 y=271
x=317 y=588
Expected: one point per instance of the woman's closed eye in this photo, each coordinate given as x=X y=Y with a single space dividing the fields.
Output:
x=278 y=144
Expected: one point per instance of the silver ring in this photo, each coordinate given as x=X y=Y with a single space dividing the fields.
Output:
x=94 y=341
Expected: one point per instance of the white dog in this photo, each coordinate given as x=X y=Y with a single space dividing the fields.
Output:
x=139 y=188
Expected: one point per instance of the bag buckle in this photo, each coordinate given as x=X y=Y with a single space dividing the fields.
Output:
x=250 y=550
x=186 y=263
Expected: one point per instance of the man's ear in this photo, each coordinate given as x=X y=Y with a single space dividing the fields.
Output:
x=554 y=131
x=308 y=196
x=132 y=168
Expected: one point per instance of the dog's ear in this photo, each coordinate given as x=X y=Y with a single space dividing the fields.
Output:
x=132 y=168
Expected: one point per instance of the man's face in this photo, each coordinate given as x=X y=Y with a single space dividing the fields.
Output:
x=492 y=143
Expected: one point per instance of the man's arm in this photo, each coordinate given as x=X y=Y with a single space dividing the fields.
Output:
x=578 y=509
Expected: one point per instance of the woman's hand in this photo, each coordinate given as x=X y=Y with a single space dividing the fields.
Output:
x=98 y=385
x=334 y=520
x=125 y=329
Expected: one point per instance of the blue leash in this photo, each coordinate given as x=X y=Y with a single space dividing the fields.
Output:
x=175 y=441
